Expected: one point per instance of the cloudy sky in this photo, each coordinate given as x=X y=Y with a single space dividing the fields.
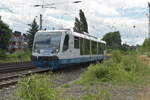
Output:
x=102 y=16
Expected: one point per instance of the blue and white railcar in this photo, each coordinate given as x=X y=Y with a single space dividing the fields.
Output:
x=56 y=49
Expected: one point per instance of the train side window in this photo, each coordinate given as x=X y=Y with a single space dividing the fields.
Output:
x=76 y=42
x=81 y=46
x=94 y=47
x=87 y=46
x=66 y=43
x=101 y=47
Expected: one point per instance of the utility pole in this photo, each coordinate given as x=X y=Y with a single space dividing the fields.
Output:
x=149 y=19
x=41 y=21
x=51 y=5
x=44 y=6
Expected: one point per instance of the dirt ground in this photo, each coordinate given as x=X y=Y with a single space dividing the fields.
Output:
x=146 y=93
x=146 y=59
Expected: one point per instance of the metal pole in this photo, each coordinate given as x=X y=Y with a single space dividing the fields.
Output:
x=40 y=21
x=149 y=20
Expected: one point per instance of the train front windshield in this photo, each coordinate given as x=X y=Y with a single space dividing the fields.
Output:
x=47 y=42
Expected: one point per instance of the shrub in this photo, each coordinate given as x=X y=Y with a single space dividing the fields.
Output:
x=19 y=56
x=145 y=47
x=2 y=54
x=118 y=69
x=116 y=56
x=102 y=72
x=148 y=54
x=36 y=87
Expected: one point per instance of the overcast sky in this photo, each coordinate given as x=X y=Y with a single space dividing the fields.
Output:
x=102 y=16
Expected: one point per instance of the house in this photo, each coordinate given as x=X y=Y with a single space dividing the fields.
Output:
x=17 y=42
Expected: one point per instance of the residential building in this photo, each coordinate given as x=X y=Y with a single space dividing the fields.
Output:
x=17 y=42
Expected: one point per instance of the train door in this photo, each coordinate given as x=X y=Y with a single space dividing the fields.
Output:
x=66 y=46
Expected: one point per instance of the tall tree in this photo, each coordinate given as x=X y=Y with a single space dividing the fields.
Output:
x=113 y=40
x=84 y=25
x=5 y=35
x=81 y=25
x=32 y=30
x=77 y=25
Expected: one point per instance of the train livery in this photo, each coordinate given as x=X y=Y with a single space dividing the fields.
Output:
x=56 y=49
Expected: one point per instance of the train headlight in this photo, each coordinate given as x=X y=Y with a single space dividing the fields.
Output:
x=37 y=51
x=55 y=51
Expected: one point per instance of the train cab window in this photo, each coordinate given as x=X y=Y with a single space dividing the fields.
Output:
x=76 y=42
x=66 y=43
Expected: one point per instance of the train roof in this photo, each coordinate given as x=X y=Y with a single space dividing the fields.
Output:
x=85 y=35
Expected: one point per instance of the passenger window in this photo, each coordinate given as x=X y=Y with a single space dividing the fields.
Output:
x=94 y=47
x=76 y=42
x=87 y=46
x=81 y=46
x=66 y=43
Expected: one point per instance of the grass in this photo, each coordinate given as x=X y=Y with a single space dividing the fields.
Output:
x=145 y=48
x=120 y=69
x=15 y=57
x=146 y=45
x=66 y=86
x=42 y=87
x=36 y=87
x=119 y=73
x=101 y=95
x=148 y=54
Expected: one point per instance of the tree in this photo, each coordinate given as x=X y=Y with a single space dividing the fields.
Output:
x=84 y=25
x=31 y=33
x=146 y=45
x=5 y=35
x=81 y=25
x=126 y=47
x=77 y=25
x=113 y=40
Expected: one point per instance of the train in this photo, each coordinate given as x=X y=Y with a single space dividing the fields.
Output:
x=56 y=49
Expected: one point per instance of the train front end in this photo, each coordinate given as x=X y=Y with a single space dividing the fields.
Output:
x=46 y=47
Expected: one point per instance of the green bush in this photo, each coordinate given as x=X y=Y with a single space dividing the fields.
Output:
x=2 y=54
x=36 y=87
x=148 y=54
x=116 y=56
x=16 y=57
x=145 y=48
x=118 y=69
x=102 y=73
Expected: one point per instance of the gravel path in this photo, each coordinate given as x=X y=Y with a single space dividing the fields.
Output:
x=116 y=92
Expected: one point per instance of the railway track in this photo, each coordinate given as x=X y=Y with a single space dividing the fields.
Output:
x=11 y=72
x=11 y=79
x=15 y=67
